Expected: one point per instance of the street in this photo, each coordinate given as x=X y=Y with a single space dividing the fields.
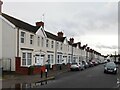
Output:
x=93 y=77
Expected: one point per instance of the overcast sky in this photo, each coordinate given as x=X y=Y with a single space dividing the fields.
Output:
x=92 y=23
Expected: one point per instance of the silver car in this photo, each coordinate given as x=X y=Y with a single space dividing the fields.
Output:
x=75 y=66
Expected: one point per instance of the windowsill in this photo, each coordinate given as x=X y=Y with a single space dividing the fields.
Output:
x=25 y=66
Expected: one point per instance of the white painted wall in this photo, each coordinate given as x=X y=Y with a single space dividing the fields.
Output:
x=9 y=43
x=50 y=49
x=36 y=49
x=0 y=37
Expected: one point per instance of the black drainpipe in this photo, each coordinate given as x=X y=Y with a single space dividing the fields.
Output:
x=17 y=42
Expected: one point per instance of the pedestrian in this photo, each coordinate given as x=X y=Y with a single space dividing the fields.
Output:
x=46 y=75
x=46 y=72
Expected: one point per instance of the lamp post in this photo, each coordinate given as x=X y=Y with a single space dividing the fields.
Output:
x=72 y=54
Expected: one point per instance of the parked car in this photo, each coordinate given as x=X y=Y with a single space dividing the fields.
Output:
x=110 y=67
x=99 y=62
x=90 y=64
x=94 y=62
x=105 y=61
x=85 y=64
x=82 y=67
x=75 y=66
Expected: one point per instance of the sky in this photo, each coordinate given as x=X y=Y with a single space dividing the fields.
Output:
x=92 y=22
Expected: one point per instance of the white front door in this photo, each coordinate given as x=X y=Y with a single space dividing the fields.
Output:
x=65 y=60
x=39 y=60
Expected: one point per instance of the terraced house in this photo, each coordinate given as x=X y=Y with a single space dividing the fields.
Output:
x=23 y=45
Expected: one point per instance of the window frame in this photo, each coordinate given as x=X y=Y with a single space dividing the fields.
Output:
x=57 y=45
x=22 y=37
x=38 y=40
x=52 y=44
x=61 y=46
x=42 y=42
x=50 y=58
x=31 y=39
x=47 y=43
x=27 y=58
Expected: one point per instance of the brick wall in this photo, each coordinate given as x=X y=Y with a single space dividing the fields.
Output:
x=38 y=69
x=19 y=69
x=25 y=70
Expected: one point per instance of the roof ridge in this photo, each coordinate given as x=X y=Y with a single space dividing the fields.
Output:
x=17 y=19
x=21 y=24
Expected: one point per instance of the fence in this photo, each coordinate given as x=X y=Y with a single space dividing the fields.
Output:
x=5 y=64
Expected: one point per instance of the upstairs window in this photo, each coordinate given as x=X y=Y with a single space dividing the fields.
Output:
x=68 y=47
x=47 y=43
x=22 y=37
x=42 y=41
x=38 y=41
x=52 y=44
x=57 y=45
x=31 y=39
x=61 y=46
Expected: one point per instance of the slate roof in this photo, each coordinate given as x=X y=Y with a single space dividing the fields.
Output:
x=25 y=26
x=69 y=43
x=75 y=44
x=54 y=37
x=20 y=24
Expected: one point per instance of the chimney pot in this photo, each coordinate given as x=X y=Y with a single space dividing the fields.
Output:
x=60 y=34
x=71 y=40
x=40 y=24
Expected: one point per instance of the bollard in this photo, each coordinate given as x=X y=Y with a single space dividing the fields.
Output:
x=41 y=74
x=42 y=83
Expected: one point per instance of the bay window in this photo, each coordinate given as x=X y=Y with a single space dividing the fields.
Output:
x=50 y=58
x=26 y=59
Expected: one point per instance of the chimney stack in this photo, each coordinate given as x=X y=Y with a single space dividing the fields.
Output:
x=88 y=49
x=80 y=44
x=1 y=6
x=60 y=34
x=71 y=40
x=40 y=24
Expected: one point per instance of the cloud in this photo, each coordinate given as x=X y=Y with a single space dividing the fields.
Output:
x=75 y=19
x=106 y=47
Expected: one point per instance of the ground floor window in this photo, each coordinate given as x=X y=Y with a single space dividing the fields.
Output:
x=50 y=58
x=74 y=59
x=69 y=59
x=26 y=58
x=59 y=59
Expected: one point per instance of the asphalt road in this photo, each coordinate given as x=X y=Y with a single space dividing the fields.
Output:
x=93 y=77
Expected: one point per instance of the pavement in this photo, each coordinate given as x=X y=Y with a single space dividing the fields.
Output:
x=12 y=79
